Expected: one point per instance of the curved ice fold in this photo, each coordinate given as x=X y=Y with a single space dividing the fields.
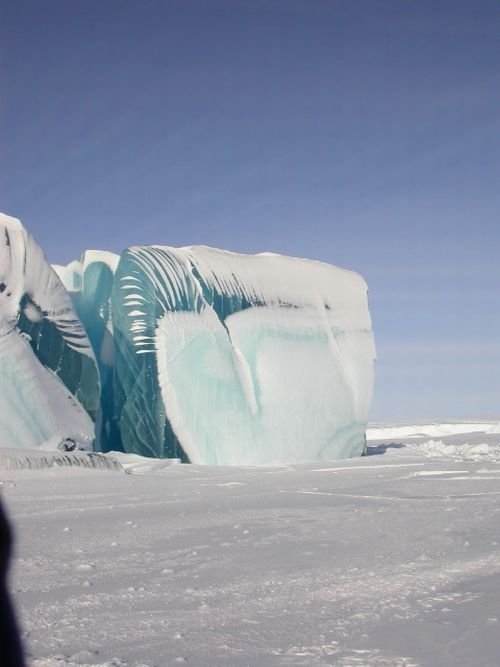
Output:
x=50 y=383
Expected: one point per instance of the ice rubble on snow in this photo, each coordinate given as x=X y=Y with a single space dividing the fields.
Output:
x=458 y=441
x=36 y=459
x=49 y=380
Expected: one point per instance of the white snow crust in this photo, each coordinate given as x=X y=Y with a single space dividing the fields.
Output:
x=277 y=278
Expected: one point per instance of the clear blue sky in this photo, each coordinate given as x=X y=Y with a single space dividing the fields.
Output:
x=365 y=133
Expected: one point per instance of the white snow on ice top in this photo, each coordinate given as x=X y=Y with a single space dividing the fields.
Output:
x=268 y=277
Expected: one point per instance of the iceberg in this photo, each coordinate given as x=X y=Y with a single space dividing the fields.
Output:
x=50 y=383
x=194 y=354
x=231 y=359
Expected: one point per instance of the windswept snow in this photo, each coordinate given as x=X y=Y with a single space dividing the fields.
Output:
x=388 y=560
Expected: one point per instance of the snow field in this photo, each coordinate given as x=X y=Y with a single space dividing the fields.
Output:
x=392 y=559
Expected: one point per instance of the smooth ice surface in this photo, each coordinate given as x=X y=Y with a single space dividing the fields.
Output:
x=49 y=379
x=390 y=560
x=238 y=359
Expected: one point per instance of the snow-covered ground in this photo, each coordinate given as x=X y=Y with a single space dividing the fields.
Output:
x=392 y=559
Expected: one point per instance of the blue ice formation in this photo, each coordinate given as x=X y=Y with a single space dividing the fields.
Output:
x=204 y=355
x=89 y=282
x=232 y=359
x=49 y=379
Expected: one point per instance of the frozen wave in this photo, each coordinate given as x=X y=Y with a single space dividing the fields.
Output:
x=203 y=355
x=238 y=359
